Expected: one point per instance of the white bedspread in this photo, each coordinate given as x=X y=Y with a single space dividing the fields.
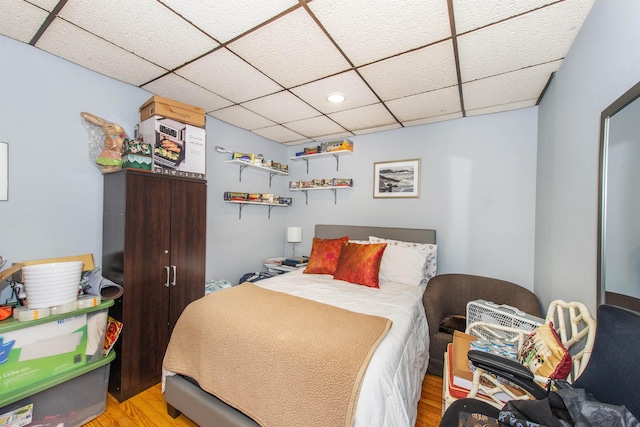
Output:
x=393 y=382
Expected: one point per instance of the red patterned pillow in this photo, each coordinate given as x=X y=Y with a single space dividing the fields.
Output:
x=360 y=264
x=325 y=254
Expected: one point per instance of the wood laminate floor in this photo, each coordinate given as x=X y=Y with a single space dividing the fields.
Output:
x=149 y=409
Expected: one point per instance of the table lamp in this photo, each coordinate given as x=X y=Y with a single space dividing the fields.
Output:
x=294 y=235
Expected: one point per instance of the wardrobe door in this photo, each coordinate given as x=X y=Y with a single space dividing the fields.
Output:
x=146 y=292
x=188 y=239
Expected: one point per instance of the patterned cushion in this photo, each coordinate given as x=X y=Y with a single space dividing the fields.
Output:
x=325 y=254
x=543 y=353
x=360 y=264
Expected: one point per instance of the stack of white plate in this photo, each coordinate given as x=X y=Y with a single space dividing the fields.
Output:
x=52 y=284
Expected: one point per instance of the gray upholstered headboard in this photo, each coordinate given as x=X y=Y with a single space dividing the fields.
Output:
x=361 y=232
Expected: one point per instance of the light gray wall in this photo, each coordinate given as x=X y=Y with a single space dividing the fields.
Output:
x=477 y=189
x=602 y=64
x=55 y=192
x=477 y=185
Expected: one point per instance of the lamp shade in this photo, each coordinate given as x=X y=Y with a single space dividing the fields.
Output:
x=294 y=234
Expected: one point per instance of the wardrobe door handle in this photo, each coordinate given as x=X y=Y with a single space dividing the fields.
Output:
x=173 y=283
x=166 y=267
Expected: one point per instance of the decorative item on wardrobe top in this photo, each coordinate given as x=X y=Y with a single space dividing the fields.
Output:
x=326 y=149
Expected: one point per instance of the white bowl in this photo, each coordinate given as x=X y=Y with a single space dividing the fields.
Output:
x=52 y=284
x=52 y=267
x=49 y=293
x=38 y=275
x=52 y=278
x=50 y=302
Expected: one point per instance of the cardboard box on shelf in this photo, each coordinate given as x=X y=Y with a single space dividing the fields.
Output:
x=178 y=149
x=165 y=107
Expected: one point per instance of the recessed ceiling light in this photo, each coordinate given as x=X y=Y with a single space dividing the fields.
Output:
x=336 y=97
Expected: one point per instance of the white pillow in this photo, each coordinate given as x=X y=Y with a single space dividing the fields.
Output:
x=407 y=262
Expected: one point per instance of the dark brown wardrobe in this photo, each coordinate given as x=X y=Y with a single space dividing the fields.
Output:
x=154 y=235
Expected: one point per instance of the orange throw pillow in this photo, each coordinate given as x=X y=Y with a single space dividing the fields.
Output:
x=325 y=254
x=360 y=264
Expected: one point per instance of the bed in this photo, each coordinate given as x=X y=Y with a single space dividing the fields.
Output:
x=387 y=384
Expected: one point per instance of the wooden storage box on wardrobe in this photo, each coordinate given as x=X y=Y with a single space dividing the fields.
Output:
x=154 y=232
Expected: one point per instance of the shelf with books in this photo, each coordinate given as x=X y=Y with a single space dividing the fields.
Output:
x=245 y=164
x=334 y=154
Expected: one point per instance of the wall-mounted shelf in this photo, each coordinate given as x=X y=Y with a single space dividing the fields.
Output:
x=334 y=189
x=242 y=204
x=261 y=168
x=335 y=154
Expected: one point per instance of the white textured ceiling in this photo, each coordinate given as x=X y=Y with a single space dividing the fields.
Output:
x=267 y=66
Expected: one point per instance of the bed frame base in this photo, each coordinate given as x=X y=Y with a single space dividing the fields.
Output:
x=201 y=407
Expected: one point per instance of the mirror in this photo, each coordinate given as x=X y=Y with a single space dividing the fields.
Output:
x=619 y=197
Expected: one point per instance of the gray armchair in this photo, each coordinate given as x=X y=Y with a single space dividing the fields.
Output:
x=445 y=303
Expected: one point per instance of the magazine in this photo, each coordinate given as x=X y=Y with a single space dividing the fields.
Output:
x=111 y=335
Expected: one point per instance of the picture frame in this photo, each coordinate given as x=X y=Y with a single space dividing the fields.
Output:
x=396 y=179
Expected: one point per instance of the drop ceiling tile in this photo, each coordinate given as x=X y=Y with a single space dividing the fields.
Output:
x=47 y=5
x=423 y=70
x=349 y=83
x=292 y=50
x=20 y=20
x=182 y=90
x=241 y=117
x=224 y=73
x=501 y=108
x=225 y=20
x=141 y=27
x=431 y=104
x=80 y=47
x=377 y=129
x=369 y=30
x=292 y=143
x=281 y=107
x=374 y=115
x=333 y=136
x=434 y=119
x=535 y=38
x=507 y=88
x=279 y=133
x=472 y=14
x=315 y=127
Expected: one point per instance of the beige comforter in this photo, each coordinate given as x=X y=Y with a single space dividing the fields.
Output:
x=280 y=359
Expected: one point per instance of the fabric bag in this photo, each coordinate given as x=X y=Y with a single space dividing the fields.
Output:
x=563 y=408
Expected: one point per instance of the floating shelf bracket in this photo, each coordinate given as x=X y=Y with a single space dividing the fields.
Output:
x=306 y=195
x=242 y=167
x=241 y=206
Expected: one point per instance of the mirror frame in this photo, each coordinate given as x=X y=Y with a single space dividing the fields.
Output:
x=627 y=98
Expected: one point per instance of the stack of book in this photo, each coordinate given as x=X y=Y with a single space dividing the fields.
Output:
x=295 y=262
